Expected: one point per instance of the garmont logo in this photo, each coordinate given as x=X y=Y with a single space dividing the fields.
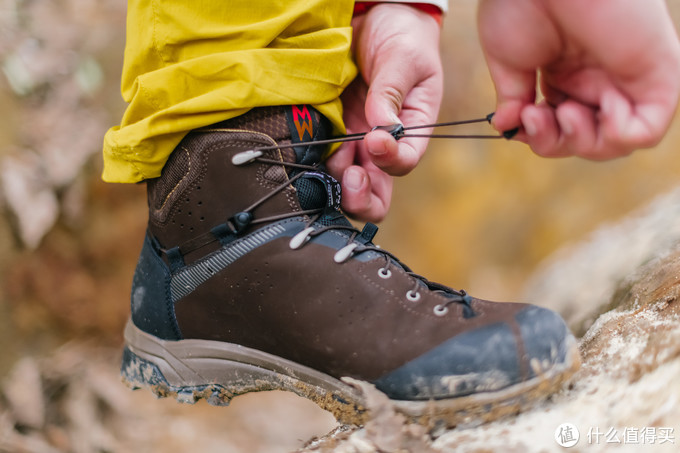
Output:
x=303 y=122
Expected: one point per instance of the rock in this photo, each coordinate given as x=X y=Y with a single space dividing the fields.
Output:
x=642 y=331
x=580 y=279
x=386 y=430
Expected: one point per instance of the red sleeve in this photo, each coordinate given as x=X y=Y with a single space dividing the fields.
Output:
x=432 y=10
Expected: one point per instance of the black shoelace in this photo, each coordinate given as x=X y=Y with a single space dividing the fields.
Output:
x=245 y=218
x=399 y=131
x=242 y=220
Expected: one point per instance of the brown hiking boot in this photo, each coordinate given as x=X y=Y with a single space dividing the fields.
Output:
x=250 y=278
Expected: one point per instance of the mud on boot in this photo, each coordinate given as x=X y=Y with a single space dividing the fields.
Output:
x=250 y=278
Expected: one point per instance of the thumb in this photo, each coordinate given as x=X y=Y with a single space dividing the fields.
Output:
x=388 y=88
x=405 y=88
x=401 y=92
x=384 y=101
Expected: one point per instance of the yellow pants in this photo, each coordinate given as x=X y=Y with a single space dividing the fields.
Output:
x=189 y=64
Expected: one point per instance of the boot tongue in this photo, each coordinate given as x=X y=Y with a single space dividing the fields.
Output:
x=315 y=189
x=320 y=190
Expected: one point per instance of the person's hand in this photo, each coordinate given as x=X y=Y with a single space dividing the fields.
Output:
x=609 y=73
x=397 y=51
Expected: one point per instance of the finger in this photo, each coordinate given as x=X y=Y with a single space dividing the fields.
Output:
x=356 y=190
x=420 y=106
x=363 y=197
x=628 y=126
x=404 y=97
x=394 y=158
x=578 y=128
x=516 y=39
x=341 y=159
x=551 y=94
x=542 y=130
x=386 y=95
x=515 y=90
x=400 y=65
x=388 y=87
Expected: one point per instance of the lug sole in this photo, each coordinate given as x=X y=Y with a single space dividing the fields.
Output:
x=190 y=370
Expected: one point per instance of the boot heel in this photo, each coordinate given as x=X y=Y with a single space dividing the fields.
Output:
x=137 y=373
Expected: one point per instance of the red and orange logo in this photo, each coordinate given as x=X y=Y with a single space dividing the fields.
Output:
x=303 y=122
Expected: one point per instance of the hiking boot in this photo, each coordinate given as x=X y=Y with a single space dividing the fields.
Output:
x=250 y=278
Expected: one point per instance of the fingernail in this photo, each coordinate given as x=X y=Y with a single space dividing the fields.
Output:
x=353 y=180
x=606 y=106
x=614 y=112
x=394 y=118
x=530 y=126
x=565 y=124
x=382 y=149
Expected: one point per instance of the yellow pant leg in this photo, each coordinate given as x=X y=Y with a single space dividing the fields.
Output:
x=191 y=64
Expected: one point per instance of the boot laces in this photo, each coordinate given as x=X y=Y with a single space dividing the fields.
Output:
x=353 y=247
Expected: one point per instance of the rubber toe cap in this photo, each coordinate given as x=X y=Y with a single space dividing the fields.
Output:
x=487 y=359
x=546 y=339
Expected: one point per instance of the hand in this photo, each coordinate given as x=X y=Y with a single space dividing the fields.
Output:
x=397 y=51
x=609 y=73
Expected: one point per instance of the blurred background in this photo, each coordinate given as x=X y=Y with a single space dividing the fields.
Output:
x=479 y=215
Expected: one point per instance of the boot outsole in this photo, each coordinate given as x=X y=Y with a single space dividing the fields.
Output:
x=190 y=370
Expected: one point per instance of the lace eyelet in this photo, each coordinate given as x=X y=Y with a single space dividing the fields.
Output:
x=344 y=253
x=413 y=296
x=299 y=239
x=384 y=273
x=440 y=310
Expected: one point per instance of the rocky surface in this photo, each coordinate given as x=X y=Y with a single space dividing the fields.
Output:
x=584 y=279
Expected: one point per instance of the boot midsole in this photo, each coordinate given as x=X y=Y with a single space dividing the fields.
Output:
x=193 y=363
x=192 y=369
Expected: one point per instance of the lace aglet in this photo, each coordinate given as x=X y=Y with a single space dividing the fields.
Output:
x=510 y=133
